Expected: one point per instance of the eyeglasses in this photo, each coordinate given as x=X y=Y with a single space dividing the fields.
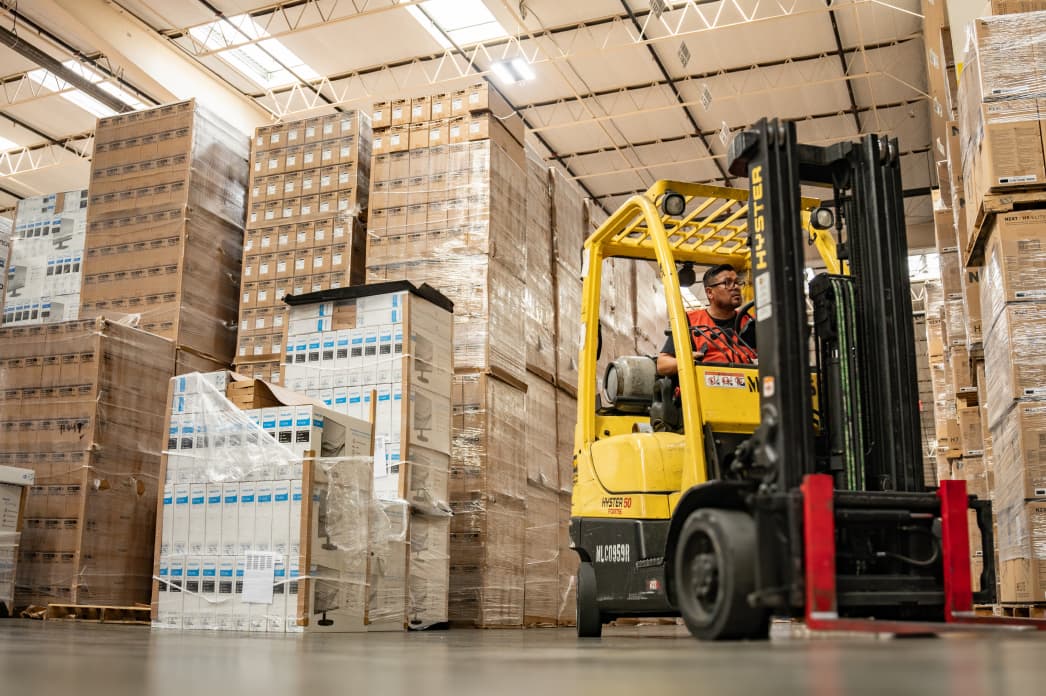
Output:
x=729 y=284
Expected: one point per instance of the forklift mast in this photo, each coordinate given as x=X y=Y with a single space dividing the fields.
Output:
x=867 y=371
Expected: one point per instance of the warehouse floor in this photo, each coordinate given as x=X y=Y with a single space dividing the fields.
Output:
x=89 y=660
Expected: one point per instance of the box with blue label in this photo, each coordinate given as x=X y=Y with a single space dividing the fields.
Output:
x=258 y=496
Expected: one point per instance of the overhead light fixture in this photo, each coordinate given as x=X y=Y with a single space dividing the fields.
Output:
x=513 y=71
x=266 y=62
x=52 y=82
x=465 y=22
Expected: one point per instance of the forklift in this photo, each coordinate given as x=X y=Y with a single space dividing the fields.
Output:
x=793 y=488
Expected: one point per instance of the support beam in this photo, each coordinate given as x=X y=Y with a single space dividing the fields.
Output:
x=151 y=61
x=842 y=63
x=55 y=67
x=675 y=91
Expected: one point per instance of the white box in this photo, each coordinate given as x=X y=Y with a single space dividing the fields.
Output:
x=245 y=518
x=191 y=599
x=281 y=508
x=172 y=608
x=341 y=400
x=213 y=533
x=285 y=426
x=230 y=540
x=341 y=349
x=241 y=610
x=263 y=517
x=167 y=519
x=294 y=519
x=208 y=600
x=180 y=530
x=277 y=611
x=291 y=610
x=313 y=353
x=224 y=609
x=328 y=341
x=197 y=518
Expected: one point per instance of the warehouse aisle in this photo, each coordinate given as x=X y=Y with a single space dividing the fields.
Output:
x=114 y=660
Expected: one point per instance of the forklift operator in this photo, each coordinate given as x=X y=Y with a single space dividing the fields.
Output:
x=712 y=332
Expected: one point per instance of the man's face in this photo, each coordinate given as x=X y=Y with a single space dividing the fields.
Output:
x=724 y=291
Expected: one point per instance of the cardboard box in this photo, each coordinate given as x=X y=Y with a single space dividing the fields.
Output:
x=1015 y=356
x=970 y=441
x=1020 y=536
x=1019 y=448
x=1015 y=262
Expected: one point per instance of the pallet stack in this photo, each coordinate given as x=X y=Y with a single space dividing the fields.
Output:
x=46 y=249
x=992 y=178
x=458 y=202
x=306 y=202
x=165 y=226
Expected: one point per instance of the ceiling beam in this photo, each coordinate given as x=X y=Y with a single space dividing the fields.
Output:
x=687 y=136
x=98 y=61
x=749 y=67
x=150 y=60
x=675 y=91
x=51 y=140
x=55 y=67
x=842 y=62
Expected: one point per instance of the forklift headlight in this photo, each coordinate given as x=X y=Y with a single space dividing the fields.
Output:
x=822 y=218
x=673 y=203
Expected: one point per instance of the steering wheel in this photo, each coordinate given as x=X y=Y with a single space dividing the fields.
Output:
x=741 y=312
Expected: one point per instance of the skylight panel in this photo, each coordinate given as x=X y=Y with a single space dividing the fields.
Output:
x=267 y=62
x=49 y=81
x=466 y=22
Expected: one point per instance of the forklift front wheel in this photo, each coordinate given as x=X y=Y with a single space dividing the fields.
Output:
x=589 y=620
x=715 y=573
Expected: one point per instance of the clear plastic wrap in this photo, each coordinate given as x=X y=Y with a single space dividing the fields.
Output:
x=307 y=203
x=165 y=225
x=540 y=304
x=568 y=326
x=8 y=565
x=458 y=225
x=1015 y=357
x=568 y=566
x=1019 y=453
x=954 y=320
x=267 y=520
x=1015 y=263
x=568 y=222
x=488 y=496
x=541 y=424
x=566 y=420
x=43 y=274
x=541 y=553
x=82 y=405
x=1000 y=91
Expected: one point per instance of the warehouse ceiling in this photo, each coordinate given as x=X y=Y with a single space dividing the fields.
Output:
x=619 y=93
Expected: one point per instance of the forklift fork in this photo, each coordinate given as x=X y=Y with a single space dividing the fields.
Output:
x=820 y=578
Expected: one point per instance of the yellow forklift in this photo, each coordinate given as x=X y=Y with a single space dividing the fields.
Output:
x=793 y=487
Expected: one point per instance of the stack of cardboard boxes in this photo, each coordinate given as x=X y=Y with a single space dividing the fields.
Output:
x=6 y=227
x=992 y=212
x=308 y=196
x=457 y=204
x=165 y=225
x=391 y=341
x=82 y=406
x=265 y=516
x=14 y=489
x=46 y=255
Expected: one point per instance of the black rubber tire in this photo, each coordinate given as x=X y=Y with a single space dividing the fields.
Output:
x=714 y=574
x=589 y=620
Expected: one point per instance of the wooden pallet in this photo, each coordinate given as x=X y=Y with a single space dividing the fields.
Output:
x=993 y=204
x=1022 y=610
x=92 y=613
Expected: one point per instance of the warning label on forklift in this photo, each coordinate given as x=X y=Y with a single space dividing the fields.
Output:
x=725 y=380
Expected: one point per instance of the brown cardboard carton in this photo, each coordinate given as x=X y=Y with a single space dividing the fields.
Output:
x=399 y=110
x=1015 y=356
x=962 y=376
x=1019 y=446
x=420 y=110
x=1021 y=536
x=541 y=550
x=440 y=104
x=971 y=443
x=971 y=294
x=1001 y=7
x=1014 y=262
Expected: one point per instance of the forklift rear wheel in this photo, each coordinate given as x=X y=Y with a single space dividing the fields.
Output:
x=589 y=620
x=714 y=574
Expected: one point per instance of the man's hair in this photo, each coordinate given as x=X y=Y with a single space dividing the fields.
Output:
x=710 y=275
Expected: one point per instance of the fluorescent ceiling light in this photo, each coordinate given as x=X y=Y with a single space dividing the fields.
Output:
x=267 y=62
x=515 y=70
x=466 y=22
x=52 y=82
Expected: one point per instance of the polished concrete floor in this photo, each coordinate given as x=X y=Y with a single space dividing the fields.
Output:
x=92 y=660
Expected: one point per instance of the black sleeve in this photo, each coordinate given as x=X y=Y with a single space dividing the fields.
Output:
x=669 y=348
x=748 y=334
